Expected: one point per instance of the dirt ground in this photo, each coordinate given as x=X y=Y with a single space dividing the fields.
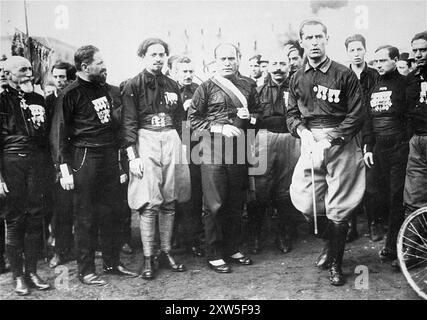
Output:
x=272 y=276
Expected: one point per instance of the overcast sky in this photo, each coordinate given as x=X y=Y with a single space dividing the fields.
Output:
x=117 y=27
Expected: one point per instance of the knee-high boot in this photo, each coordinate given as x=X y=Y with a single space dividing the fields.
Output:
x=15 y=256
x=338 y=239
x=324 y=232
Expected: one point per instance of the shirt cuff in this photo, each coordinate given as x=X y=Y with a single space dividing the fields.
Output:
x=217 y=128
x=132 y=152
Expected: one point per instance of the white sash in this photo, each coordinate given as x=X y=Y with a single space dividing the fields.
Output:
x=227 y=83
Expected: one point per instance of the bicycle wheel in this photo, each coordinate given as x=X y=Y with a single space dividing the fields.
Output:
x=412 y=251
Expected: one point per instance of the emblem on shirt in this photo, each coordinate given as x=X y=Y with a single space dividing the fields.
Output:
x=325 y=93
x=171 y=98
x=38 y=113
x=423 y=92
x=102 y=108
x=381 y=101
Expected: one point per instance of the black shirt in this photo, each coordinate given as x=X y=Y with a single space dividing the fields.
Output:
x=326 y=96
x=145 y=95
x=273 y=99
x=416 y=93
x=82 y=117
x=23 y=122
x=387 y=107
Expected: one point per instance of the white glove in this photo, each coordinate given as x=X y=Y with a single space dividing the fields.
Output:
x=67 y=183
x=368 y=157
x=229 y=131
x=136 y=167
x=307 y=140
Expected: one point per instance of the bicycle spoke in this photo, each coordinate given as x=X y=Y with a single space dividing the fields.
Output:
x=417 y=234
x=416 y=243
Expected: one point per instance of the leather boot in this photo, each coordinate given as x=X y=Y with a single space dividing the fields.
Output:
x=166 y=260
x=21 y=288
x=34 y=281
x=148 y=269
x=352 y=233
x=3 y=268
x=338 y=237
x=324 y=259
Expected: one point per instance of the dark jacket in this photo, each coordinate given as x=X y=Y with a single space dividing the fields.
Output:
x=417 y=100
x=144 y=95
x=273 y=104
x=212 y=106
x=83 y=118
x=22 y=130
x=326 y=96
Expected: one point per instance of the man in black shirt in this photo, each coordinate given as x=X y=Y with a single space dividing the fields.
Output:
x=282 y=151
x=85 y=152
x=3 y=268
x=415 y=195
x=386 y=146
x=151 y=121
x=24 y=146
x=326 y=111
x=356 y=50
x=63 y=74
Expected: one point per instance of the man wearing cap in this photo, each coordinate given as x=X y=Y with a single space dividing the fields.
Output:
x=326 y=111
x=221 y=109
x=24 y=146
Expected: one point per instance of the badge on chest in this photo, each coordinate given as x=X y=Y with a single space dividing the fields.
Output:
x=325 y=93
x=102 y=108
x=381 y=101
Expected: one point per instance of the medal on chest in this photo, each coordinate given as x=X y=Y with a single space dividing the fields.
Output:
x=38 y=113
x=325 y=93
x=102 y=108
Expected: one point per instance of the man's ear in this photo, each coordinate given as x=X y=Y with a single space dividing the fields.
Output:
x=84 y=67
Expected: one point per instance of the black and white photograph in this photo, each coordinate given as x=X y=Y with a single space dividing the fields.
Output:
x=213 y=155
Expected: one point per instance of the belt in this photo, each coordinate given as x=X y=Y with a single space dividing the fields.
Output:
x=156 y=121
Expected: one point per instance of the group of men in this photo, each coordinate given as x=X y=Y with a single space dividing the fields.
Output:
x=329 y=140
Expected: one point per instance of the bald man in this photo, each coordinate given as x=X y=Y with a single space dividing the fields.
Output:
x=222 y=108
x=282 y=151
x=24 y=145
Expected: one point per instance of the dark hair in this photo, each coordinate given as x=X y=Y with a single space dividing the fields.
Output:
x=393 y=52
x=311 y=22
x=238 y=54
x=295 y=46
x=84 y=55
x=183 y=59
x=143 y=47
x=70 y=69
x=420 y=35
x=355 y=37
